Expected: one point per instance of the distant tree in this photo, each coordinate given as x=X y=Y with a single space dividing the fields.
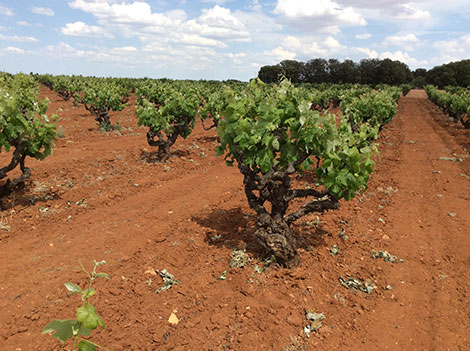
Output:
x=369 y=71
x=462 y=72
x=393 y=72
x=292 y=70
x=270 y=74
x=316 y=71
x=344 y=72
x=419 y=77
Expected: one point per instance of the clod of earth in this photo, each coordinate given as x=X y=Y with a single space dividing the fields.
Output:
x=353 y=283
x=168 y=281
x=386 y=256
x=314 y=321
x=239 y=259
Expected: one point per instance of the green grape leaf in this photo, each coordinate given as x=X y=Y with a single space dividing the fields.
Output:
x=62 y=329
x=73 y=288
x=85 y=345
x=88 y=317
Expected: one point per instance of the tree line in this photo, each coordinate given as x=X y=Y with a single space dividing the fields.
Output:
x=366 y=71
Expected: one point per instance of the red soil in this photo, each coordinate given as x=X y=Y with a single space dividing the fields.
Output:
x=95 y=198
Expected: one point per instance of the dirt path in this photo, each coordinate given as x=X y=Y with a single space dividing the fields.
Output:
x=428 y=225
x=96 y=199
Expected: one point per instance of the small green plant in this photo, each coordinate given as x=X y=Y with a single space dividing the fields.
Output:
x=86 y=320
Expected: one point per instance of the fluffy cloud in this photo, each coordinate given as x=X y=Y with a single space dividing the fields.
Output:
x=18 y=39
x=363 y=36
x=453 y=50
x=13 y=50
x=80 y=29
x=5 y=11
x=136 y=19
x=307 y=48
x=137 y=13
x=280 y=54
x=369 y=52
x=405 y=42
x=194 y=39
x=403 y=57
x=407 y=12
x=24 y=24
x=397 y=9
x=217 y=22
x=318 y=16
x=42 y=11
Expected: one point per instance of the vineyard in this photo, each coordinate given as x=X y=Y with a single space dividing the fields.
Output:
x=232 y=216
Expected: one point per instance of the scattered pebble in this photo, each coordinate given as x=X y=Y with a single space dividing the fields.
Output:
x=353 y=283
x=334 y=250
x=168 y=281
x=239 y=258
x=386 y=256
x=314 y=321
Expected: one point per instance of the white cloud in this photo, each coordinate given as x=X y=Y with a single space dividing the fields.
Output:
x=369 y=52
x=211 y=28
x=407 y=12
x=280 y=54
x=80 y=29
x=217 y=22
x=405 y=42
x=237 y=58
x=403 y=57
x=453 y=50
x=42 y=11
x=137 y=13
x=18 y=39
x=363 y=36
x=24 y=24
x=400 y=40
x=333 y=45
x=307 y=47
x=5 y=11
x=318 y=16
x=218 y=2
x=194 y=39
x=13 y=50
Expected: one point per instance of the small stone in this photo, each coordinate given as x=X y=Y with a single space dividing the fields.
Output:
x=385 y=237
x=452 y=214
x=173 y=319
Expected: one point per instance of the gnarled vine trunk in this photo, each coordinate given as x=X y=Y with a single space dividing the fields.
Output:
x=273 y=232
x=18 y=158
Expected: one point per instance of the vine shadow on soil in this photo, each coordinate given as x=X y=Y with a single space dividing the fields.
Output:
x=25 y=196
x=234 y=229
x=152 y=156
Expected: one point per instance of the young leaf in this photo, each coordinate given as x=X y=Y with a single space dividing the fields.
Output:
x=86 y=345
x=102 y=275
x=88 y=317
x=73 y=288
x=62 y=329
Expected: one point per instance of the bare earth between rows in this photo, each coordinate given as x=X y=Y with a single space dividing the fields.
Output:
x=95 y=198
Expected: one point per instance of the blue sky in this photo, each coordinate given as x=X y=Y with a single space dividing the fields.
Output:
x=223 y=39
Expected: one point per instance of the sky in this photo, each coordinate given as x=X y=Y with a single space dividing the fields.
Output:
x=224 y=39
